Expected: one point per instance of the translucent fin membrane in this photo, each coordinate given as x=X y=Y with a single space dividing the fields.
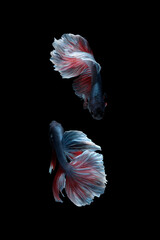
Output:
x=86 y=179
x=53 y=162
x=75 y=141
x=82 y=84
x=58 y=184
x=72 y=57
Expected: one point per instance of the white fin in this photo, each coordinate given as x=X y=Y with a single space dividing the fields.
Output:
x=75 y=141
x=71 y=55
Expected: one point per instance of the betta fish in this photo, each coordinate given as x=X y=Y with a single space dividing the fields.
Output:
x=80 y=171
x=73 y=57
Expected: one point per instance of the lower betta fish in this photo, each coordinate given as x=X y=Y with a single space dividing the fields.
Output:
x=81 y=170
x=73 y=57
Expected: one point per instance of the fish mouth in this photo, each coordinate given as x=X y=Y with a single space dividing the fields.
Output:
x=53 y=124
x=97 y=117
x=56 y=128
x=98 y=114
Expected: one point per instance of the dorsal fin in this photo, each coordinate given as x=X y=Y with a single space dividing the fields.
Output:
x=75 y=141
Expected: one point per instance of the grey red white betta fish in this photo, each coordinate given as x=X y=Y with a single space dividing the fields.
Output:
x=73 y=57
x=81 y=170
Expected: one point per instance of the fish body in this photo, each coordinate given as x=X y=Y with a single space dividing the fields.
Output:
x=96 y=101
x=56 y=134
x=73 y=57
x=81 y=170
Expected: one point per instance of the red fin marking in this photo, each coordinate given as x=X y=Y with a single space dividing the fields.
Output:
x=82 y=85
x=86 y=178
x=76 y=154
x=58 y=184
x=71 y=55
x=83 y=46
x=53 y=161
x=78 y=42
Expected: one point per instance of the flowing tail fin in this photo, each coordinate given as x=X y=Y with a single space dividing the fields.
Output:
x=86 y=179
x=71 y=58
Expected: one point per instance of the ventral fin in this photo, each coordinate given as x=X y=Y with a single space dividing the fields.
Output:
x=53 y=161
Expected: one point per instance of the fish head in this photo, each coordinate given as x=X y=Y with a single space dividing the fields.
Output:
x=97 y=113
x=56 y=130
x=96 y=108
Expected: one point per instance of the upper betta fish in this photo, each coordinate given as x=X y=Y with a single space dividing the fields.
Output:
x=81 y=171
x=73 y=57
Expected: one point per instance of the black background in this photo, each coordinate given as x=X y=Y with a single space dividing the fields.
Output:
x=41 y=95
